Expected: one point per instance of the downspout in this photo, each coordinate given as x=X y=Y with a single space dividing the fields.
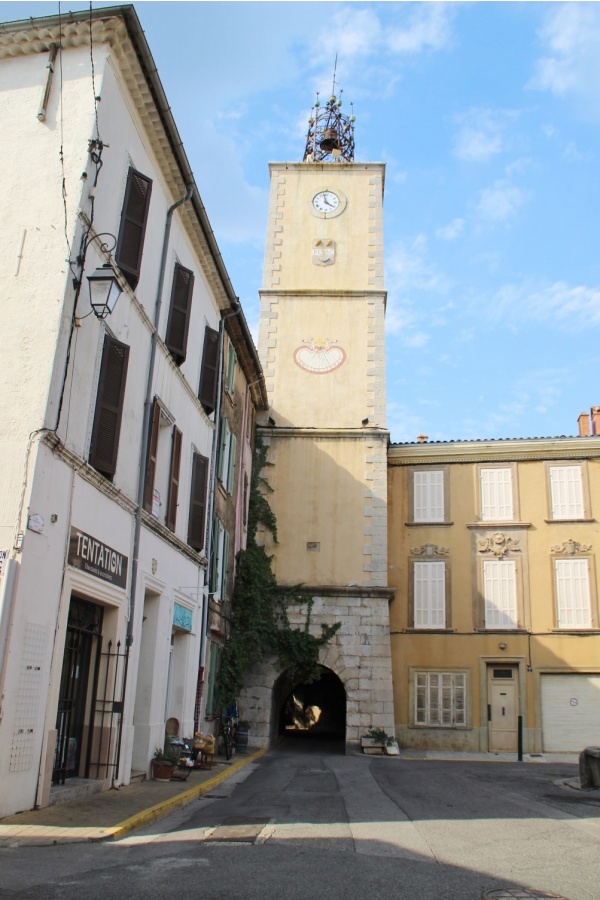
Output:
x=212 y=484
x=147 y=409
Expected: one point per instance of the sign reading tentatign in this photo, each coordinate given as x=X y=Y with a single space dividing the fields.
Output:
x=93 y=556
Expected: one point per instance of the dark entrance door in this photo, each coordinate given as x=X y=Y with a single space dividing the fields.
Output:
x=82 y=647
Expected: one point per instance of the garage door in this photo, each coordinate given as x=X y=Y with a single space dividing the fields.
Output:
x=570 y=712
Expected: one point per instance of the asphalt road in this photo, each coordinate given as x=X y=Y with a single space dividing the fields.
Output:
x=322 y=825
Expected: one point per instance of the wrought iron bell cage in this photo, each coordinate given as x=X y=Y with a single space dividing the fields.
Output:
x=330 y=136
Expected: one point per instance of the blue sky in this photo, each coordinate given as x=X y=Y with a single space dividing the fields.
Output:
x=488 y=118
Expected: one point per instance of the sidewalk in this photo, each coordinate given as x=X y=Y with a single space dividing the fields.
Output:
x=115 y=813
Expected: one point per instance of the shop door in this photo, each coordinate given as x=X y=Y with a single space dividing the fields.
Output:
x=82 y=648
x=502 y=708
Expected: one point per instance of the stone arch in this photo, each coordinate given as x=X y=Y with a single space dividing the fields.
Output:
x=317 y=709
x=358 y=655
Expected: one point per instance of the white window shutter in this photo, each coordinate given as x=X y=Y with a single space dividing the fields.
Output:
x=428 y=491
x=500 y=593
x=573 y=593
x=496 y=495
x=440 y=698
x=566 y=490
x=430 y=594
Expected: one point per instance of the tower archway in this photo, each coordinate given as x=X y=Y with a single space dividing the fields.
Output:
x=307 y=711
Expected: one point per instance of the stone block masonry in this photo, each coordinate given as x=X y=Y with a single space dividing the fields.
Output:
x=359 y=655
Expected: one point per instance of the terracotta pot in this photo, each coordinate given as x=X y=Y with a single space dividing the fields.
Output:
x=162 y=769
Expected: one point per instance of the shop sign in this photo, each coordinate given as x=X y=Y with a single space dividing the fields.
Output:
x=182 y=617
x=3 y=561
x=93 y=556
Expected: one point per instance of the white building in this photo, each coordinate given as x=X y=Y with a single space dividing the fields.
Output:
x=106 y=425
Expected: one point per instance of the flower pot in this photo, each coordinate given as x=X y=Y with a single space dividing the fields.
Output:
x=162 y=769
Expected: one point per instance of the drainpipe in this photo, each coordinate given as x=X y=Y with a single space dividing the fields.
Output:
x=212 y=483
x=147 y=408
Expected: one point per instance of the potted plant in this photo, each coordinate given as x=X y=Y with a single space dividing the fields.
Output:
x=163 y=765
x=378 y=741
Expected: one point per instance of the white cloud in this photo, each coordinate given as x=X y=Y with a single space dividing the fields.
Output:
x=482 y=134
x=559 y=304
x=500 y=202
x=366 y=48
x=569 y=66
x=452 y=230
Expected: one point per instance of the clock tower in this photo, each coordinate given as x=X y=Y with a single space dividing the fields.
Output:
x=321 y=344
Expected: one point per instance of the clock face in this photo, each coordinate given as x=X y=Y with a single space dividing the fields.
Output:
x=326 y=202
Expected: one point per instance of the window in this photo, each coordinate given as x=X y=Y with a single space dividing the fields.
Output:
x=219 y=562
x=573 y=603
x=430 y=594
x=132 y=230
x=428 y=496
x=109 y=407
x=227 y=455
x=230 y=370
x=440 y=699
x=198 y=502
x=179 y=313
x=208 y=375
x=566 y=492
x=496 y=495
x=164 y=448
x=500 y=593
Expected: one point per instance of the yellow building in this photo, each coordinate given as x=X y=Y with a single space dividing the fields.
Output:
x=495 y=618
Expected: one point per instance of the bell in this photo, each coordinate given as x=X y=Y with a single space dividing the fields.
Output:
x=330 y=140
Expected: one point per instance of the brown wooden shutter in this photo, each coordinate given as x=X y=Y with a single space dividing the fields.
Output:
x=109 y=407
x=151 y=456
x=133 y=226
x=198 y=502
x=179 y=313
x=208 y=376
x=174 y=480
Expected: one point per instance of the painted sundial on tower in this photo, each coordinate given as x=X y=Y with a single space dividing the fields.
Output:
x=319 y=356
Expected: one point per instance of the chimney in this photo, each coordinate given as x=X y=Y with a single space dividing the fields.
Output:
x=595 y=411
x=584 y=425
x=423 y=438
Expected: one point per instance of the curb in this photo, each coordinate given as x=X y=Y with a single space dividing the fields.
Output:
x=154 y=813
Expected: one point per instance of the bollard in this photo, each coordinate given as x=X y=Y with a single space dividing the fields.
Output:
x=520 y=738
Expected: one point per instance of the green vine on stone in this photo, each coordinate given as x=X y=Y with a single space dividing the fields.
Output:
x=260 y=627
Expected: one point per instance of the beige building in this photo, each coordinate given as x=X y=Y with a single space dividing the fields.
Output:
x=492 y=552
x=321 y=345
